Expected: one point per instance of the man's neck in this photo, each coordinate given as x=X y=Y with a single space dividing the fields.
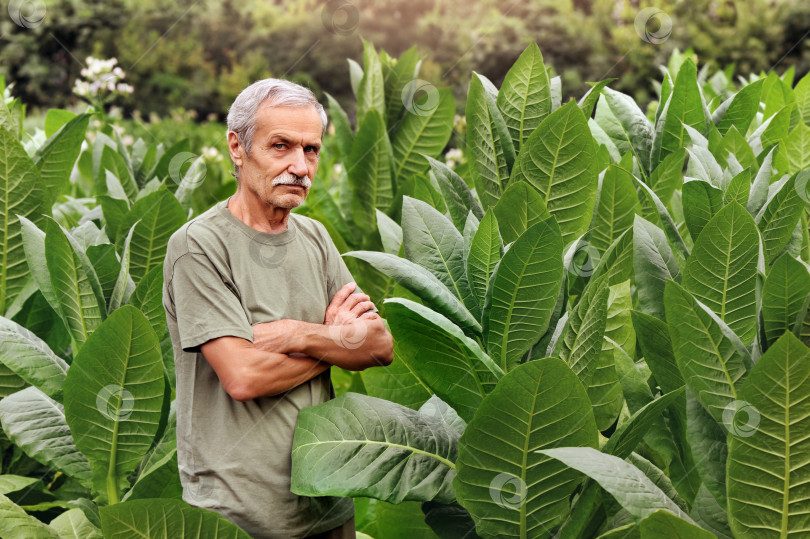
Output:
x=257 y=214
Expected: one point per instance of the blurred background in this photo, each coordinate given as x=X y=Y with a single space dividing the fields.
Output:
x=191 y=58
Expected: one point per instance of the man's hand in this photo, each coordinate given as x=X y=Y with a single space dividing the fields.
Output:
x=346 y=307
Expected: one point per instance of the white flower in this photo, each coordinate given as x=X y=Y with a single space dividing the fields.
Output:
x=454 y=154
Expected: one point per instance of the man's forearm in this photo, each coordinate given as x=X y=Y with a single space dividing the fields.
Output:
x=257 y=373
x=355 y=346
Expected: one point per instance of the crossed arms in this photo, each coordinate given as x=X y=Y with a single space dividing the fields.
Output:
x=287 y=353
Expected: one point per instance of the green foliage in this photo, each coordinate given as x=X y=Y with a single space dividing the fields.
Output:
x=600 y=324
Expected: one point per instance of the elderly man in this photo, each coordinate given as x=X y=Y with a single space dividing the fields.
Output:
x=259 y=305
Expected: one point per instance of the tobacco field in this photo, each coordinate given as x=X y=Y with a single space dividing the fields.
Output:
x=599 y=310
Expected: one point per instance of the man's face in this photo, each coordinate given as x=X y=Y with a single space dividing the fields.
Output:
x=286 y=146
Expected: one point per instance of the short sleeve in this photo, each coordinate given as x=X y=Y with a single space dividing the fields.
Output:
x=204 y=306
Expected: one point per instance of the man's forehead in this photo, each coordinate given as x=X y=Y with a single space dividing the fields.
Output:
x=276 y=117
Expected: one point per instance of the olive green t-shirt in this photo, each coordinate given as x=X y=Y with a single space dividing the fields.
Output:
x=221 y=277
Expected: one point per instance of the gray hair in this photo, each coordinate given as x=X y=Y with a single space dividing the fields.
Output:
x=277 y=93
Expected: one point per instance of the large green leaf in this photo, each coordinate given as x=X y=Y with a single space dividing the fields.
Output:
x=605 y=391
x=422 y=283
x=667 y=222
x=344 y=136
x=625 y=439
x=663 y=523
x=778 y=217
x=148 y=298
x=491 y=149
x=371 y=90
x=425 y=129
x=509 y=488
x=375 y=448
x=396 y=383
x=15 y=523
x=768 y=446
x=158 y=215
x=525 y=95
x=432 y=241
x=452 y=365
x=654 y=265
x=707 y=442
x=701 y=201
x=36 y=424
x=74 y=524
x=522 y=294
x=710 y=515
x=722 y=269
x=630 y=486
x=75 y=283
x=484 y=254
x=34 y=247
x=114 y=396
x=55 y=159
x=742 y=109
x=520 y=207
x=615 y=207
x=794 y=152
x=559 y=160
x=460 y=200
x=395 y=79
x=23 y=194
x=165 y=519
x=31 y=358
x=581 y=340
x=783 y=295
x=629 y=125
x=369 y=169
x=711 y=362
x=684 y=107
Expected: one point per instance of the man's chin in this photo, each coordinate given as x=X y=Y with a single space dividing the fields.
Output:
x=289 y=201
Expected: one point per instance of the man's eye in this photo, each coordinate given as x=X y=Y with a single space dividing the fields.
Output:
x=279 y=146
x=311 y=149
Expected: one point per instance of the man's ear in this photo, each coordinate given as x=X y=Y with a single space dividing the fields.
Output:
x=235 y=148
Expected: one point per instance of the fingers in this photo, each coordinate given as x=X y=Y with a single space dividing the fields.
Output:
x=370 y=315
x=362 y=307
x=342 y=294
x=352 y=301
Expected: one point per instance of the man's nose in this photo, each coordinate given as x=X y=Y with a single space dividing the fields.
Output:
x=298 y=163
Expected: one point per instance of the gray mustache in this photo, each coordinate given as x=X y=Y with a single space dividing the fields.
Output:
x=291 y=179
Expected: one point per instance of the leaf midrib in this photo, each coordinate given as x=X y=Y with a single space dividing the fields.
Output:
x=441 y=459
